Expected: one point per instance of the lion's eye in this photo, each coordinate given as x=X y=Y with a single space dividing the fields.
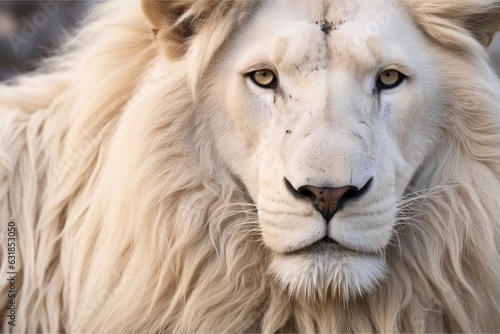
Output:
x=389 y=79
x=264 y=78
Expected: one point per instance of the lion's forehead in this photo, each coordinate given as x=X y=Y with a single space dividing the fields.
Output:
x=313 y=35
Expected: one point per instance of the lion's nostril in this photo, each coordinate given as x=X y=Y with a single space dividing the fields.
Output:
x=329 y=200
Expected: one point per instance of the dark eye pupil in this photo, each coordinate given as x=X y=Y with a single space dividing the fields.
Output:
x=264 y=74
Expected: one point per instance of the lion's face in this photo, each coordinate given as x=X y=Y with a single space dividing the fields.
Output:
x=327 y=114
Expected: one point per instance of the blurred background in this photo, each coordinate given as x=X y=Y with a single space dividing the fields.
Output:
x=30 y=30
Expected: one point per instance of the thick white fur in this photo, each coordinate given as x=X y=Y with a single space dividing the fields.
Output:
x=134 y=179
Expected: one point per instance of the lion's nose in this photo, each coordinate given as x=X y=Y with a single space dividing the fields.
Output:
x=330 y=200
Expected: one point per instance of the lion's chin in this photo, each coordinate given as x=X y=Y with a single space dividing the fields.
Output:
x=328 y=269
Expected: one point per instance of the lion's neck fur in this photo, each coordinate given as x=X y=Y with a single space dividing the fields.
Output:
x=142 y=231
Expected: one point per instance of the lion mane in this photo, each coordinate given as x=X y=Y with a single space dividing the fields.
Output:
x=127 y=221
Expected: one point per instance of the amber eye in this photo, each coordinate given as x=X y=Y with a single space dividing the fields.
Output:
x=389 y=79
x=264 y=78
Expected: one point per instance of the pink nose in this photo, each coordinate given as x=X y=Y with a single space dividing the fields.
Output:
x=329 y=200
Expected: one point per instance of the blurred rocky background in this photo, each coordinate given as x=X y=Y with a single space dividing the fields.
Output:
x=30 y=30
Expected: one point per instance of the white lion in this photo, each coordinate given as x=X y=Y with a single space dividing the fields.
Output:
x=230 y=166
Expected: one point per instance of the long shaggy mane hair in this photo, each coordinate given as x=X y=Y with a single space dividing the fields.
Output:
x=127 y=222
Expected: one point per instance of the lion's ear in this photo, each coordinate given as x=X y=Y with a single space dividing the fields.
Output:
x=480 y=17
x=483 y=20
x=176 y=22
x=486 y=33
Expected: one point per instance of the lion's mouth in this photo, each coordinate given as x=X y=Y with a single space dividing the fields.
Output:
x=326 y=244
